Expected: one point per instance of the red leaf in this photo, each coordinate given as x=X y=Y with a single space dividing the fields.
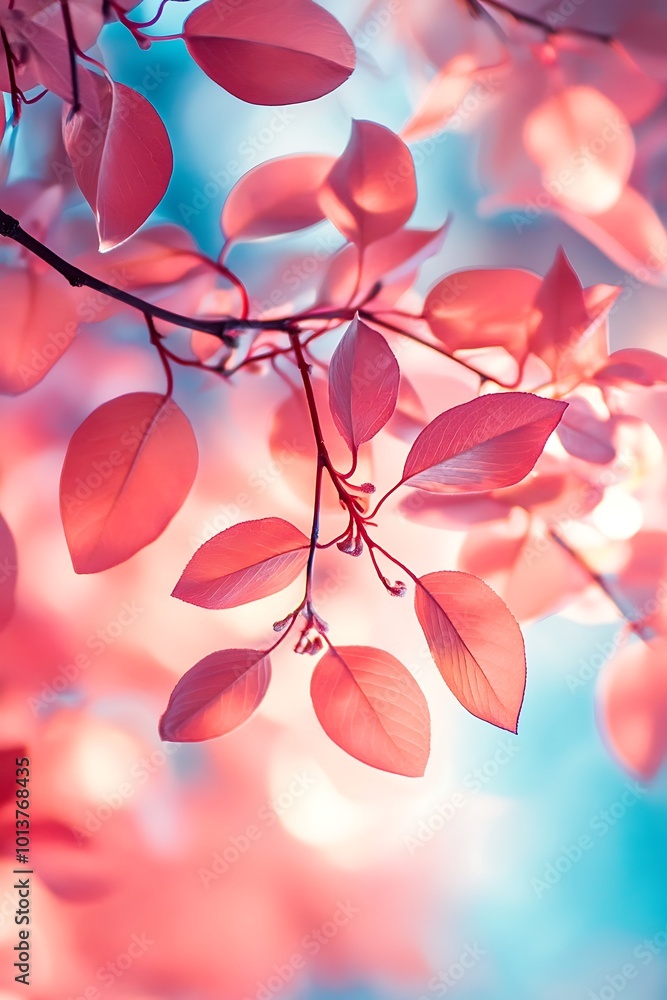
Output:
x=121 y=157
x=127 y=471
x=490 y=442
x=584 y=435
x=265 y=53
x=156 y=256
x=217 y=695
x=371 y=706
x=531 y=573
x=363 y=384
x=484 y=307
x=371 y=190
x=394 y=261
x=630 y=233
x=570 y=336
x=8 y=571
x=558 y=135
x=440 y=100
x=244 y=563
x=278 y=196
x=36 y=29
x=39 y=322
x=476 y=643
x=294 y=450
x=409 y=417
x=633 y=364
x=633 y=706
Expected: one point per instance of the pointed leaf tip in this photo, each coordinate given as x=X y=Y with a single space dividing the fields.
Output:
x=216 y=696
x=476 y=643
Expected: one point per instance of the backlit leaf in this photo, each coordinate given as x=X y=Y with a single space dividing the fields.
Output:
x=371 y=706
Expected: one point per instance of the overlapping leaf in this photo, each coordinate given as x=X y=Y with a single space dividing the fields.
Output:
x=278 y=196
x=490 y=442
x=363 y=384
x=570 y=336
x=121 y=157
x=371 y=190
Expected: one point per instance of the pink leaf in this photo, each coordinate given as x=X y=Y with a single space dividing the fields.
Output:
x=372 y=707
x=215 y=696
x=278 y=196
x=630 y=233
x=265 y=53
x=443 y=96
x=371 y=190
x=294 y=450
x=363 y=384
x=641 y=583
x=533 y=575
x=155 y=256
x=127 y=471
x=409 y=417
x=485 y=307
x=37 y=31
x=644 y=36
x=490 y=442
x=244 y=563
x=476 y=644
x=584 y=435
x=39 y=322
x=570 y=336
x=122 y=159
x=634 y=365
x=392 y=261
x=584 y=147
x=633 y=706
x=8 y=572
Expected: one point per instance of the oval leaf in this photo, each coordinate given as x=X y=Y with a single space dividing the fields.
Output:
x=244 y=563
x=8 y=571
x=585 y=435
x=633 y=365
x=558 y=135
x=215 y=696
x=476 y=644
x=278 y=196
x=39 y=322
x=371 y=706
x=363 y=384
x=121 y=157
x=268 y=53
x=127 y=471
x=371 y=190
x=490 y=442
x=632 y=706
x=484 y=307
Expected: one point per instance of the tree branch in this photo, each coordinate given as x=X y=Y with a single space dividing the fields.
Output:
x=477 y=7
x=220 y=328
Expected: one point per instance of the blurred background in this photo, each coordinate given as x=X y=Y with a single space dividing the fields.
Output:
x=269 y=863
